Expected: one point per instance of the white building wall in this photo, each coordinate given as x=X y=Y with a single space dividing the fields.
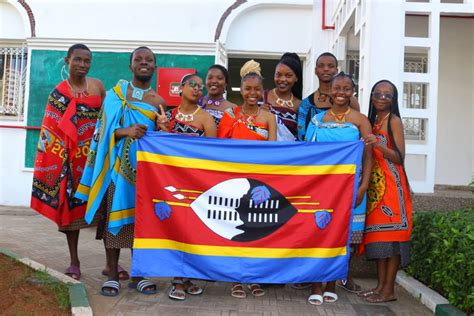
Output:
x=140 y=20
x=455 y=149
x=15 y=180
x=271 y=29
x=383 y=42
x=11 y=22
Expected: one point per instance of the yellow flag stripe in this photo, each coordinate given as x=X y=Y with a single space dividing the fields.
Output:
x=237 y=167
x=247 y=252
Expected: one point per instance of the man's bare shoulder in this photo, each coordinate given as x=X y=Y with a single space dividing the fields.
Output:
x=94 y=82
x=95 y=86
x=155 y=100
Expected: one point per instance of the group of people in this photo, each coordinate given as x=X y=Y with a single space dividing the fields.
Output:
x=86 y=161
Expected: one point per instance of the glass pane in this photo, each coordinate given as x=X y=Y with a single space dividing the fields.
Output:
x=415 y=128
x=414 y=95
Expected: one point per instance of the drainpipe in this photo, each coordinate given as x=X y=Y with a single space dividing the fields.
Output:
x=324 y=26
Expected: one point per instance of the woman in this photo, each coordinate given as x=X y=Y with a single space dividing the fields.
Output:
x=187 y=119
x=320 y=100
x=388 y=223
x=341 y=123
x=217 y=79
x=284 y=100
x=248 y=122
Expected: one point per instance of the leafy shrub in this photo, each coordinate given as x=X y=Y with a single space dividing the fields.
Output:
x=442 y=249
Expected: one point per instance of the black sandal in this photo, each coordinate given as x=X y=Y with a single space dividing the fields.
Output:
x=110 y=288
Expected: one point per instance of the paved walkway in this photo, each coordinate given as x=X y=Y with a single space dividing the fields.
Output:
x=31 y=235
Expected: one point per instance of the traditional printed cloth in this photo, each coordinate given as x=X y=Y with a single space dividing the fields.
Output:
x=236 y=126
x=389 y=204
x=111 y=161
x=306 y=111
x=215 y=113
x=65 y=136
x=217 y=209
x=180 y=127
x=285 y=116
x=319 y=131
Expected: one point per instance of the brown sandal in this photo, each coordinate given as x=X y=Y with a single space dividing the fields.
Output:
x=238 y=291
x=367 y=293
x=256 y=290
x=379 y=298
x=349 y=285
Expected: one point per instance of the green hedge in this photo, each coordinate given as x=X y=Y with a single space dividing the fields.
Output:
x=442 y=250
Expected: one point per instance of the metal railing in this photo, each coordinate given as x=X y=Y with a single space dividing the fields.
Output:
x=13 y=63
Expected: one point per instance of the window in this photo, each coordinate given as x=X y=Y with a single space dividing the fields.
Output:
x=12 y=81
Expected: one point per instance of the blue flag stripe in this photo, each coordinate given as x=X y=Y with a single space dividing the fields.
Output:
x=250 y=270
x=256 y=152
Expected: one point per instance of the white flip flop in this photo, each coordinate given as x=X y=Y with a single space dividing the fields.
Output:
x=330 y=297
x=315 y=299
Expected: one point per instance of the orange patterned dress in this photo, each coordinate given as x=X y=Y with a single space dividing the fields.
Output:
x=237 y=126
x=389 y=203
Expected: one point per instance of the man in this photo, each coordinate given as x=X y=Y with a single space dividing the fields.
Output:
x=320 y=100
x=129 y=110
x=67 y=128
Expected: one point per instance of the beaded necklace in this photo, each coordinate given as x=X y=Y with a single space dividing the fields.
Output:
x=138 y=93
x=250 y=118
x=207 y=101
x=340 y=118
x=180 y=116
x=378 y=125
x=281 y=102
x=322 y=97
x=79 y=94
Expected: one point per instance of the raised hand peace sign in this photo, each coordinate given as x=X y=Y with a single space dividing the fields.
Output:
x=162 y=122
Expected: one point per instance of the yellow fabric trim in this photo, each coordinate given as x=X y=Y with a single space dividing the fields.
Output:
x=122 y=214
x=236 y=167
x=83 y=189
x=248 y=252
x=96 y=186
x=151 y=115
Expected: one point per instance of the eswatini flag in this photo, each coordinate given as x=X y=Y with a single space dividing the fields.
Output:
x=245 y=211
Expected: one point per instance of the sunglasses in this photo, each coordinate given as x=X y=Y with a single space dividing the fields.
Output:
x=193 y=84
x=383 y=96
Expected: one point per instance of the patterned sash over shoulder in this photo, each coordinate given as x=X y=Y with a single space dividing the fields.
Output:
x=112 y=161
x=65 y=137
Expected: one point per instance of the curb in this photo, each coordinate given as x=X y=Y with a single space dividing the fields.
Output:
x=431 y=299
x=80 y=305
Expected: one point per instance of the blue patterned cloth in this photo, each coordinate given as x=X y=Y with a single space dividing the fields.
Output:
x=319 y=131
x=111 y=160
x=306 y=111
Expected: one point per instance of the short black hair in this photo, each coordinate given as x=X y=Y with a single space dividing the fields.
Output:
x=223 y=70
x=343 y=75
x=327 y=54
x=139 y=48
x=77 y=46
x=292 y=60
